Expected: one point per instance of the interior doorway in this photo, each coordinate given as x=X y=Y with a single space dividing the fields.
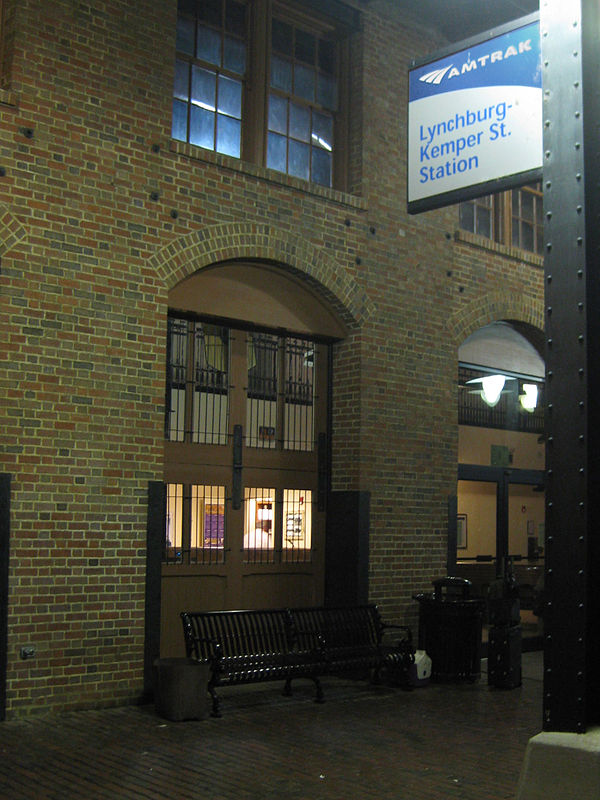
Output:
x=500 y=490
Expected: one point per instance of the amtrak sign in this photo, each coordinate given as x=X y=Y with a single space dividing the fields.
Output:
x=475 y=118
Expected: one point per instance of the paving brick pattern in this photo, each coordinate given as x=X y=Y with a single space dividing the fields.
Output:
x=439 y=742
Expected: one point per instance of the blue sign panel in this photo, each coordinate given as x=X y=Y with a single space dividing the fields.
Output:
x=475 y=119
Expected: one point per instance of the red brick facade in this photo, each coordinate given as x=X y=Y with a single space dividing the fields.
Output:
x=100 y=215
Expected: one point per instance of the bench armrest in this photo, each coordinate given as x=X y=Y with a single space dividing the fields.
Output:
x=404 y=628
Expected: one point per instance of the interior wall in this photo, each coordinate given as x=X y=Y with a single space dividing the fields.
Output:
x=477 y=501
x=475 y=447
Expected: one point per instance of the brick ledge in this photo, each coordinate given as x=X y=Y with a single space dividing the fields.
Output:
x=265 y=174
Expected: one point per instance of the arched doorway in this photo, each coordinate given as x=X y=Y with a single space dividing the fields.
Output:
x=246 y=441
x=500 y=496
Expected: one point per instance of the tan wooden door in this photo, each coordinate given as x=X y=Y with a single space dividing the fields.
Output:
x=245 y=430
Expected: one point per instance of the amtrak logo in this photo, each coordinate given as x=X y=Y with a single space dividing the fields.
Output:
x=436 y=76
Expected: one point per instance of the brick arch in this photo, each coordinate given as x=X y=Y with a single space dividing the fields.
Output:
x=219 y=243
x=11 y=230
x=495 y=307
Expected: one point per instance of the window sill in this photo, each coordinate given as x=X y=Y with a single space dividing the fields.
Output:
x=265 y=174
x=516 y=253
x=8 y=98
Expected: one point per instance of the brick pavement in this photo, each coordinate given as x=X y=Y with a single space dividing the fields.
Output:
x=441 y=742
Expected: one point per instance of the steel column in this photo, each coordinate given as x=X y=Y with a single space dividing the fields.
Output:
x=5 y=481
x=571 y=68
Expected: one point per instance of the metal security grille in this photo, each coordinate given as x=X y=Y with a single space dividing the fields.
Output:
x=195 y=524
x=197 y=382
x=299 y=390
x=280 y=413
x=297 y=525
x=260 y=521
x=277 y=525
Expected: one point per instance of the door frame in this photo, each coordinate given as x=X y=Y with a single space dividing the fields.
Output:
x=502 y=477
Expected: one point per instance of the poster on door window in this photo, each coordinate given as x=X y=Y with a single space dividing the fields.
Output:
x=214 y=525
x=294 y=527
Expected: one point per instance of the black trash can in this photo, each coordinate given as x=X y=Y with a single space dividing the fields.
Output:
x=180 y=688
x=450 y=624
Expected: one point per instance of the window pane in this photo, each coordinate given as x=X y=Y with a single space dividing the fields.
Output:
x=174 y=521
x=259 y=523
x=281 y=36
x=327 y=91
x=276 y=152
x=230 y=97
x=527 y=236
x=209 y=45
x=299 y=156
x=210 y=384
x=210 y=11
x=306 y=47
x=179 y=124
x=186 y=7
x=322 y=131
x=185 y=35
x=297 y=522
x=281 y=74
x=527 y=206
x=467 y=216
x=484 y=222
x=204 y=88
x=261 y=401
x=182 y=80
x=235 y=18
x=228 y=136
x=208 y=517
x=277 y=114
x=304 y=82
x=299 y=360
x=321 y=167
x=234 y=55
x=299 y=122
x=202 y=127
x=327 y=56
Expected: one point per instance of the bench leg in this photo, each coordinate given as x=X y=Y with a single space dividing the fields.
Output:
x=216 y=711
x=319 y=698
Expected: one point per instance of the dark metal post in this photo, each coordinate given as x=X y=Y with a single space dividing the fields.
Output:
x=155 y=539
x=4 y=557
x=571 y=66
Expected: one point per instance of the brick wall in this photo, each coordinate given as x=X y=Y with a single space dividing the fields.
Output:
x=100 y=214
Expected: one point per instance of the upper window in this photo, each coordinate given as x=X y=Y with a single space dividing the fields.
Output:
x=7 y=12
x=259 y=85
x=513 y=218
x=209 y=74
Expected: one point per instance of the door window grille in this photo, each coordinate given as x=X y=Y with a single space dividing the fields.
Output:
x=174 y=522
x=274 y=416
x=195 y=525
x=299 y=390
x=297 y=525
x=197 y=382
x=259 y=525
x=261 y=404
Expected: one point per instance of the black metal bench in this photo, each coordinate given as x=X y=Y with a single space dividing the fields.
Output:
x=285 y=644
x=247 y=647
x=352 y=640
